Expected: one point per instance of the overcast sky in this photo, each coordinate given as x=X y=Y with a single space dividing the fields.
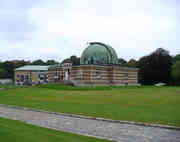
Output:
x=57 y=29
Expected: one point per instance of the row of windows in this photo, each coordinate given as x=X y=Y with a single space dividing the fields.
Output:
x=79 y=74
x=67 y=65
x=29 y=77
x=98 y=75
x=23 y=76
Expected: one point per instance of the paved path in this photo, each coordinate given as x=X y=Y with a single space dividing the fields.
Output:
x=102 y=129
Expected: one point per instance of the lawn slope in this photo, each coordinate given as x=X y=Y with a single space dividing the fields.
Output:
x=142 y=104
x=16 y=131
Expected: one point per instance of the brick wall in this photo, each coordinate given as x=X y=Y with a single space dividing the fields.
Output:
x=97 y=75
x=104 y=75
x=32 y=75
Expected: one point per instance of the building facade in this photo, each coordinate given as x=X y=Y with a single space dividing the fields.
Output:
x=98 y=66
x=31 y=74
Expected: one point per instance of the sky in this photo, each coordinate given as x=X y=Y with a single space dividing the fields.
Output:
x=58 y=29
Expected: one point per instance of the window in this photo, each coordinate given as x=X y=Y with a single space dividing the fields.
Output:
x=126 y=76
x=79 y=74
x=22 y=78
x=56 y=75
x=41 y=76
x=98 y=76
x=26 y=77
x=62 y=78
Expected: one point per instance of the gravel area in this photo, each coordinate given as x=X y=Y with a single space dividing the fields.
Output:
x=101 y=129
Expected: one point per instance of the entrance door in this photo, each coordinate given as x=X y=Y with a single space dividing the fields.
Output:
x=66 y=75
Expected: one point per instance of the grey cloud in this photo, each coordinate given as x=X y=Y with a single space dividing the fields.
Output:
x=17 y=4
x=14 y=22
x=59 y=16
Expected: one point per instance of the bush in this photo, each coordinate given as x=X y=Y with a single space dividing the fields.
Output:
x=175 y=73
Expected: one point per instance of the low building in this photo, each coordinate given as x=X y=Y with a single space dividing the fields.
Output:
x=31 y=74
x=98 y=66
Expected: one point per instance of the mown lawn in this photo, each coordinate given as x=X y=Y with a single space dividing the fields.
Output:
x=142 y=104
x=9 y=86
x=16 y=131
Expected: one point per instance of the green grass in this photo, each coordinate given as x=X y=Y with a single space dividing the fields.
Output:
x=75 y=88
x=86 y=88
x=9 y=86
x=16 y=131
x=149 y=104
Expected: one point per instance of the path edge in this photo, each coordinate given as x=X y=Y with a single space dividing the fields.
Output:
x=94 y=118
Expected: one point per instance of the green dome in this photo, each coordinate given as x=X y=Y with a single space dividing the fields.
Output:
x=99 y=53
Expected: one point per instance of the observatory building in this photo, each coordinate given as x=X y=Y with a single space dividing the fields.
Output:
x=98 y=66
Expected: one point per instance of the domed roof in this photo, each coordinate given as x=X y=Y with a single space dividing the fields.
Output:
x=99 y=53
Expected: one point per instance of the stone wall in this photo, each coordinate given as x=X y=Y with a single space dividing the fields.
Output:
x=54 y=75
x=95 y=75
x=104 y=75
x=32 y=76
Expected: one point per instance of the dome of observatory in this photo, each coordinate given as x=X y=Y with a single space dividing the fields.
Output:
x=99 y=53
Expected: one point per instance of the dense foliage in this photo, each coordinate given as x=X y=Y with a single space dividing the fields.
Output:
x=176 y=58
x=176 y=72
x=156 y=67
x=73 y=59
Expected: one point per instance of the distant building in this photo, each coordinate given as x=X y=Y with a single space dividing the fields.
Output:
x=98 y=66
x=31 y=74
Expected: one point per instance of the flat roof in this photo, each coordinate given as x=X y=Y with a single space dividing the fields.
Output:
x=32 y=68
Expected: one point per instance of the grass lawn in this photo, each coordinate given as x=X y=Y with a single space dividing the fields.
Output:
x=16 y=131
x=9 y=86
x=142 y=104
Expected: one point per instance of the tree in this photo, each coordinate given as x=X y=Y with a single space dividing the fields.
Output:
x=175 y=73
x=9 y=67
x=122 y=61
x=20 y=63
x=73 y=59
x=3 y=73
x=156 y=67
x=176 y=58
x=132 y=63
x=38 y=62
x=51 y=62
x=66 y=61
x=1 y=64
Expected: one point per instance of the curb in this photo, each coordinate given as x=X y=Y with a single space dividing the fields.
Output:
x=95 y=118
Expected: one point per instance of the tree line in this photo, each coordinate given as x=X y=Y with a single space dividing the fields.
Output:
x=159 y=66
